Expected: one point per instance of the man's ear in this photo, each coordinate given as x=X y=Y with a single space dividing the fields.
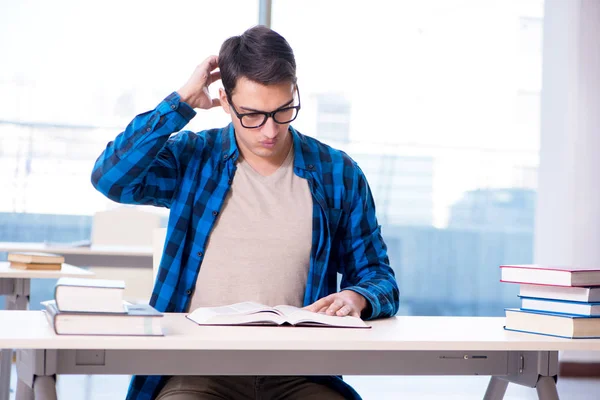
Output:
x=224 y=102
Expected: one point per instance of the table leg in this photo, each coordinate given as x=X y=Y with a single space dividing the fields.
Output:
x=37 y=374
x=5 y=365
x=17 y=298
x=546 y=388
x=7 y=288
x=44 y=388
x=496 y=389
x=24 y=392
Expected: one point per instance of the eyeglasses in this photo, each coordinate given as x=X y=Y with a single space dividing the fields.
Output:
x=256 y=119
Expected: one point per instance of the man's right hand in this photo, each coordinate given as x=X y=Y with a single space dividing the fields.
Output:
x=195 y=91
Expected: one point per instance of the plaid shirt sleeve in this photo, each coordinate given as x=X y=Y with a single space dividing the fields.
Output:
x=363 y=259
x=142 y=166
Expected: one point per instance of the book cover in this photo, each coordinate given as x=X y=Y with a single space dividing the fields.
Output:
x=139 y=320
x=35 y=266
x=571 y=293
x=93 y=283
x=552 y=324
x=550 y=275
x=35 y=257
x=89 y=295
x=560 y=306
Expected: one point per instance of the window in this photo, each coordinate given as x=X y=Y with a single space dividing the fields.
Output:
x=443 y=120
x=73 y=74
x=333 y=117
x=437 y=101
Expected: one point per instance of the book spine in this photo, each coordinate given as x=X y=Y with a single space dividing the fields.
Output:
x=56 y=297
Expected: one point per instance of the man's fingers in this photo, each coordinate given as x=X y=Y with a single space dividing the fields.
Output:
x=337 y=304
x=215 y=76
x=345 y=310
x=317 y=305
x=334 y=307
x=312 y=307
x=211 y=62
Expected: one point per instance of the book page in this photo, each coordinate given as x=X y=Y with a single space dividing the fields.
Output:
x=247 y=307
x=235 y=313
x=298 y=316
x=286 y=310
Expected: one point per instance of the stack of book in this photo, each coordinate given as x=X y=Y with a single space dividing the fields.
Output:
x=555 y=301
x=96 y=307
x=36 y=261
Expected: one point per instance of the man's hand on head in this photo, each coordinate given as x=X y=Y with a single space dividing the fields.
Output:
x=195 y=91
x=346 y=302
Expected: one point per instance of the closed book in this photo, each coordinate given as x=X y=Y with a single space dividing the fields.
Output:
x=560 y=306
x=571 y=293
x=89 y=295
x=35 y=266
x=139 y=320
x=552 y=324
x=551 y=275
x=37 y=258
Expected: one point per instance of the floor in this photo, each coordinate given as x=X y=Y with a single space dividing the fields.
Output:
x=113 y=387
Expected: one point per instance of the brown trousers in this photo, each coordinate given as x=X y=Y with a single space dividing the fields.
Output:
x=245 y=388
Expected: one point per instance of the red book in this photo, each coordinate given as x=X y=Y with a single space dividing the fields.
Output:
x=551 y=275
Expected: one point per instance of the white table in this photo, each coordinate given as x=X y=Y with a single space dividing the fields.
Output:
x=15 y=285
x=395 y=346
x=90 y=256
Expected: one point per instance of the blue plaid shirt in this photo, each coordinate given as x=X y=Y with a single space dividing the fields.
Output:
x=190 y=173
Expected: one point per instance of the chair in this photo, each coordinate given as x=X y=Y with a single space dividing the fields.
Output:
x=124 y=226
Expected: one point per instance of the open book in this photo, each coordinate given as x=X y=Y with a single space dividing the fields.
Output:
x=249 y=313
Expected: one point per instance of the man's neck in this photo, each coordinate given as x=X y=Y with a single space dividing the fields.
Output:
x=266 y=165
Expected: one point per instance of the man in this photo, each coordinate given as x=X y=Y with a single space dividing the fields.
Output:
x=259 y=212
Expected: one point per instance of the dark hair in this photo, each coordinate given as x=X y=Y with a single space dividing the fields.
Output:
x=260 y=55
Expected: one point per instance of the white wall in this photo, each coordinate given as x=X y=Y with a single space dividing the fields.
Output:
x=567 y=228
x=568 y=211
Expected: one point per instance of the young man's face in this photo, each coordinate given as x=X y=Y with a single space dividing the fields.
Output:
x=270 y=141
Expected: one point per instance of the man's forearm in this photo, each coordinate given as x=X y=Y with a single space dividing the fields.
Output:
x=125 y=161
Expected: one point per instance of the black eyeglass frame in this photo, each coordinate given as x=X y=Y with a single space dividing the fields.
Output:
x=266 y=115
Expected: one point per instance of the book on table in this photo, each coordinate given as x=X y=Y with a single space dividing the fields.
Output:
x=137 y=320
x=35 y=257
x=560 y=306
x=552 y=324
x=250 y=313
x=89 y=295
x=35 y=260
x=35 y=266
x=551 y=275
x=569 y=293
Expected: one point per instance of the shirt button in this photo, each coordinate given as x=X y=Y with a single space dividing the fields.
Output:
x=310 y=166
x=188 y=292
x=225 y=157
x=215 y=213
x=173 y=106
x=229 y=182
x=148 y=129
x=200 y=254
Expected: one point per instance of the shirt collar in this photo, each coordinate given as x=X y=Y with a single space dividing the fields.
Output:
x=228 y=144
x=304 y=158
